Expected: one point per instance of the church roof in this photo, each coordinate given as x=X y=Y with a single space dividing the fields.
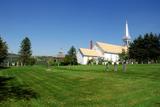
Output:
x=89 y=52
x=111 y=48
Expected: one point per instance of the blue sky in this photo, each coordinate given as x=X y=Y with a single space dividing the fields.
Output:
x=55 y=24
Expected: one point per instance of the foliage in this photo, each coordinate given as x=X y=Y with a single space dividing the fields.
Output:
x=145 y=49
x=3 y=50
x=123 y=56
x=109 y=62
x=100 y=61
x=53 y=62
x=25 y=51
x=67 y=59
x=70 y=58
x=31 y=61
x=91 y=62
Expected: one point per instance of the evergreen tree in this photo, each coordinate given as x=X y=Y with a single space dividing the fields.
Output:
x=3 y=50
x=25 y=51
x=71 y=58
x=123 y=56
x=146 y=48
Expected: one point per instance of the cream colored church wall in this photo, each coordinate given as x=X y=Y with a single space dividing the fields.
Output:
x=111 y=57
x=79 y=58
x=85 y=60
x=82 y=59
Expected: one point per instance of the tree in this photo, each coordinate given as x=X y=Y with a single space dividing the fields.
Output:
x=91 y=62
x=71 y=58
x=100 y=61
x=3 y=50
x=145 y=49
x=25 y=51
x=32 y=61
x=123 y=56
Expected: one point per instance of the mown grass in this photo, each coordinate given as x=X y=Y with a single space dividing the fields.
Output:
x=80 y=86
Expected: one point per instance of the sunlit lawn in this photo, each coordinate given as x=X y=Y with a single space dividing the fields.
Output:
x=82 y=86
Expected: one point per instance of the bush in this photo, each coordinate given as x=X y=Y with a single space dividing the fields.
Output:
x=91 y=62
x=31 y=61
x=100 y=61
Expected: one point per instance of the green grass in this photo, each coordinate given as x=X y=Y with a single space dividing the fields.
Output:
x=80 y=86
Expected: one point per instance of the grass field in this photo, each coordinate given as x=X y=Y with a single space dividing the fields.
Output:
x=80 y=86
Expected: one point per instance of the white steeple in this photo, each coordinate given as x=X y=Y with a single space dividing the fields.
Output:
x=127 y=37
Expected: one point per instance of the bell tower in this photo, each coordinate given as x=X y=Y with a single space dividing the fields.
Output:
x=127 y=37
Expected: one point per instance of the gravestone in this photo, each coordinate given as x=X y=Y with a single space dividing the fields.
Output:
x=115 y=66
x=21 y=64
x=17 y=64
x=13 y=64
x=7 y=64
x=124 y=66
x=107 y=66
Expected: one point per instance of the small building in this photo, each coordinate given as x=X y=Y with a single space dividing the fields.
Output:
x=59 y=57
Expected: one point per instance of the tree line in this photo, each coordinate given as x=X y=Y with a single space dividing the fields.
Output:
x=25 y=53
x=69 y=59
x=144 y=49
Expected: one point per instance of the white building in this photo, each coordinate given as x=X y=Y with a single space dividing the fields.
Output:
x=106 y=51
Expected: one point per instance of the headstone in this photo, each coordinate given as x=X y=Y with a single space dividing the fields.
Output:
x=17 y=64
x=7 y=64
x=13 y=64
x=21 y=64
x=124 y=67
x=107 y=66
x=115 y=66
x=112 y=63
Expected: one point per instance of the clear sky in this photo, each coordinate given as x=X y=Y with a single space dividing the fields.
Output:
x=55 y=24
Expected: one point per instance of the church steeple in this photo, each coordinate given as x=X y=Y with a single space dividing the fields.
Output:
x=127 y=37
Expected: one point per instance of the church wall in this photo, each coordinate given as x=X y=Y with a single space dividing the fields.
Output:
x=111 y=57
x=82 y=59
x=79 y=58
x=107 y=56
x=85 y=60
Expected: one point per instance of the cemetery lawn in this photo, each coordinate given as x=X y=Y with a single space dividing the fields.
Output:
x=80 y=86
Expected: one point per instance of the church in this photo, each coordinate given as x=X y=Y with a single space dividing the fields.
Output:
x=109 y=52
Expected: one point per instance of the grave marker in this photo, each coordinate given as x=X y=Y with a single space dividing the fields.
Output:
x=115 y=66
x=124 y=66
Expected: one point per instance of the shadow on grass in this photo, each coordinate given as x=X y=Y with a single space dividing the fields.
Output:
x=141 y=75
x=8 y=90
x=80 y=70
x=1 y=68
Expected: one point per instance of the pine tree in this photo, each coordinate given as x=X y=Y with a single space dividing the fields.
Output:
x=123 y=56
x=71 y=58
x=3 y=50
x=25 y=51
x=145 y=49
